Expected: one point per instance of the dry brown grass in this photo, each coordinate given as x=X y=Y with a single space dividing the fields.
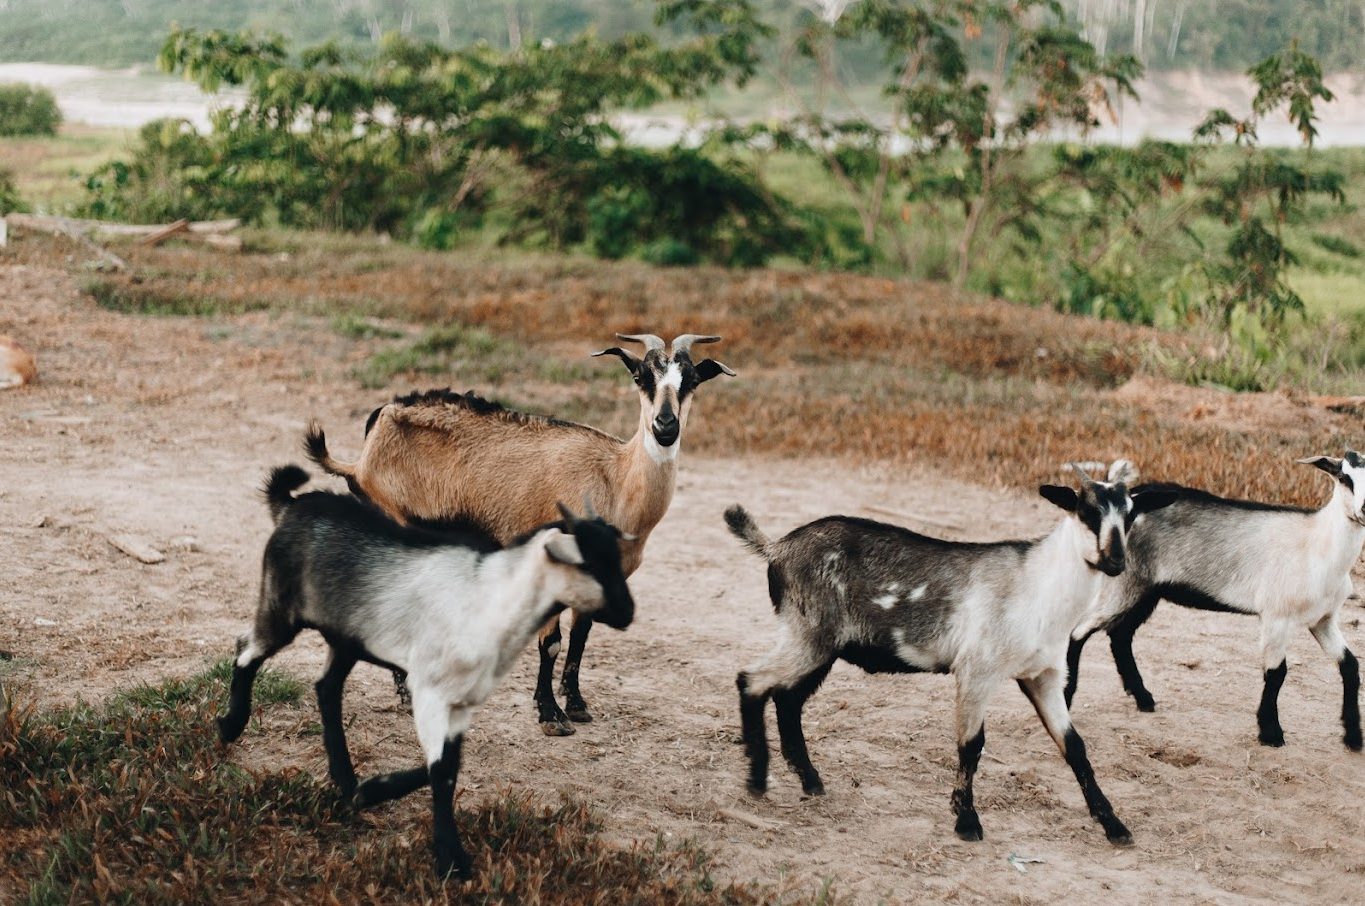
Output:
x=831 y=365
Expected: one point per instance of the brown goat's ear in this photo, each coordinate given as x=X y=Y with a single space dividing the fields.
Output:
x=1059 y=496
x=562 y=548
x=631 y=361
x=709 y=368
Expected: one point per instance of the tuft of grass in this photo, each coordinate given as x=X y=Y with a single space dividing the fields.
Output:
x=470 y=352
x=136 y=802
x=358 y=327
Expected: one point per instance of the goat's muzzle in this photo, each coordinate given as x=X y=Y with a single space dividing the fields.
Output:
x=618 y=610
x=666 y=429
x=1111 y=565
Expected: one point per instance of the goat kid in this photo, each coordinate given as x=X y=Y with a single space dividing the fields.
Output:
x=442 y=455
x=452 y=609
x=1288 y=565
x=889 y=600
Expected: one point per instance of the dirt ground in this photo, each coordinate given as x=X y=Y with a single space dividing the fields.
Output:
x=162 y=428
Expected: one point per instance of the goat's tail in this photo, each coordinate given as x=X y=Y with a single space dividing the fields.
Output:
x=743 y=527
x=315 y=444
x=280 y=487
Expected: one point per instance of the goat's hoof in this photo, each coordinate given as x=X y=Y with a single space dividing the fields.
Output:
x=1120 y=838
x=229 y=729
x=969 y=828
x=813 y=789
x=1353 y=741
x=758 y=788
x=1273 y=738
x=1146 y=706
x=556 y=728
x=579 y=715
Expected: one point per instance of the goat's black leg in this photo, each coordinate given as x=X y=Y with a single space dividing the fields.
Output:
x=1329 y=637
x=751 y=709
x=1073 y=666
x=400 y=687
x=1268 y=715
x=1121 y=644
x=393 y=785
x=330 y=687
x=788 y=703
x=968 y=825
x=574 y=706
x=973 y=694
x=451 y=858
x=251 y=654
x=553 y=721
x=1046 y=694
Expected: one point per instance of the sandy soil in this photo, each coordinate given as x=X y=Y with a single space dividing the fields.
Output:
x=162 y=429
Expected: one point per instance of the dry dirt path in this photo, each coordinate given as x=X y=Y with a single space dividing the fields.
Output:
x=163 y=428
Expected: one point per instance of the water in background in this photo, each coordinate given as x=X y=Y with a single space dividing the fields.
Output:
x=1172 y=104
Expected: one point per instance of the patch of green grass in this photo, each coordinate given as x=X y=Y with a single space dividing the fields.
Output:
x=451 y=349
x=50 y=172
x=272 y=687
x=135 y=801
x=359 y=327
x=149 y=300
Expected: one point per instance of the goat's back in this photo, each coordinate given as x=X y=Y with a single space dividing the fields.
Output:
x=441 y=455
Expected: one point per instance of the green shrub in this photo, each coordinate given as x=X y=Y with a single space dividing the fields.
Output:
x=10 y=202
x=28 y=110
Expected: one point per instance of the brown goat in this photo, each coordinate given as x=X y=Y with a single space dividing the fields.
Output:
x=439 y=456
x=17 y=366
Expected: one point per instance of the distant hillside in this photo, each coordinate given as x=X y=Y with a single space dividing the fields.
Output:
x=1167 y=34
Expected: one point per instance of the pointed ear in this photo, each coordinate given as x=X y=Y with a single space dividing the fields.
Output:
x=709 y=368
x=1148 y=501
x=631 y=361
x=562 y=548
x=1059 y=496
x=1329 y=464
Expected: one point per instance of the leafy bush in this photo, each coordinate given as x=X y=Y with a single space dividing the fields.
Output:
x=420 y=142
x=28 y=110
x=10 y=202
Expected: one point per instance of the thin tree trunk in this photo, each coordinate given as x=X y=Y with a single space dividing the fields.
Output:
x=964 y=246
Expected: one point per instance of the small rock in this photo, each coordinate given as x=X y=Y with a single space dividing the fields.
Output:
x=44 y=622
x=187 y=543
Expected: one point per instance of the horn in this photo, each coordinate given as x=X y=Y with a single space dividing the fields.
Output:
x=567 y=513
x=684 y=343
x=1077 y=468
x=651 y=342
x=588 y=511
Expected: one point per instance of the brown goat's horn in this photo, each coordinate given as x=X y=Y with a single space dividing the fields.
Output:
x=684 y=342
x=651 y=342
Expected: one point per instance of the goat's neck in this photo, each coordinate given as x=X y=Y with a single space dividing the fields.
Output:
x=1067 y=585
x=648 y=473
x=1335 y=537
x=518 y=599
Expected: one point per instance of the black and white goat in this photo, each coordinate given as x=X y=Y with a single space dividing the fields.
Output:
x=453 y=609
x=1290 y=566
x=889 y=600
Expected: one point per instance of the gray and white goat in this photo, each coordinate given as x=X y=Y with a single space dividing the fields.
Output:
x=453 y=609
x=890 y=600
x=1290 y=566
